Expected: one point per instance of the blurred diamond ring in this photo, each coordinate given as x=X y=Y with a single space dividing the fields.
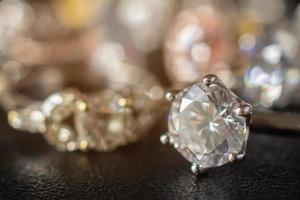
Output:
x=101 y=119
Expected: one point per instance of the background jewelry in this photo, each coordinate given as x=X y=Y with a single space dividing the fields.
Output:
x=101 y=120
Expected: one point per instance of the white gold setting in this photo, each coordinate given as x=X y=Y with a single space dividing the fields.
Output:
x=208 y=124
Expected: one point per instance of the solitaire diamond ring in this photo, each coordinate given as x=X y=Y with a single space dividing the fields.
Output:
x=209 y=125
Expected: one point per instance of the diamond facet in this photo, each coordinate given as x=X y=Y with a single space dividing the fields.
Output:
x=204 y=126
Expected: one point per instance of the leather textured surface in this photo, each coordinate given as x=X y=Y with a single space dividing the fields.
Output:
x=31 y=169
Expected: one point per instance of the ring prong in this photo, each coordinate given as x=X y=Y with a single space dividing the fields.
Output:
x=210 y=79
x=176 y=146
x=240 y=156
x=170 y=96
x=196 y=169
x=164 y=139
x=243 y=109
x=231 y=157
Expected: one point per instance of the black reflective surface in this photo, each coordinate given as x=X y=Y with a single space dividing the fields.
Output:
x=31 y=169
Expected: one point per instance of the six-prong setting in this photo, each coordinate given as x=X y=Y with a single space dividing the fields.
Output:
x=170 y=96
x=208 y=124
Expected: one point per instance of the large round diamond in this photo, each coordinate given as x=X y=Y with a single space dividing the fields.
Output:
x=204 y=126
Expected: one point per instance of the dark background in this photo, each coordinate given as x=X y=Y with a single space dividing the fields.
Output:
x=31 y=169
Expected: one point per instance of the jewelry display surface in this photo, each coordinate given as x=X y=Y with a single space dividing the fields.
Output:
x=32 y=169
x=95 y=139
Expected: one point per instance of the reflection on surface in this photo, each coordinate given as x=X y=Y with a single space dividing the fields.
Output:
x=31 y=167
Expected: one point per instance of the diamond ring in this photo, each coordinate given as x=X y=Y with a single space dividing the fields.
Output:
x=71 y=120
x=208 y=124
x=38 y=101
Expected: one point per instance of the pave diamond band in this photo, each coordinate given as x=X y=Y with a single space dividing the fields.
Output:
x=101 y=119
x=69 y=120
x=208 y=124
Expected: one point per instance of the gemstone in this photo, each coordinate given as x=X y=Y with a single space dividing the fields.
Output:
x=204 y=127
